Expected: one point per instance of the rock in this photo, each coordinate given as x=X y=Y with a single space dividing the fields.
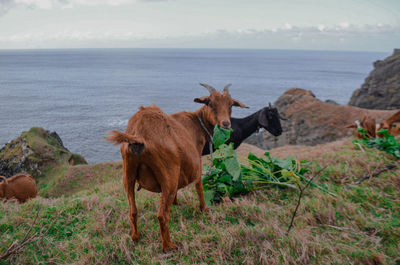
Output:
x=311 y=121
x=33 y=152
x=381 y=89
x=330 y=101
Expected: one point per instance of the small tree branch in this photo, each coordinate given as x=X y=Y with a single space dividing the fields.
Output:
x=16 y=247
x=34 y=222
x=302 y=189
x=376 y=172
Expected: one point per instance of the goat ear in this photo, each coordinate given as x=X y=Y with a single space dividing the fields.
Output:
x=262 y=119
x=237 y=103
x=202 y=100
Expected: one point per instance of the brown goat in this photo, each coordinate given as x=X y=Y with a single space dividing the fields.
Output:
x=369 y=124
x=388 y=124
x=163 y=153
x=22 y=187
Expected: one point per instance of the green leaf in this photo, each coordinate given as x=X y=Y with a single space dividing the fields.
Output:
x=233 y=168
x=224 y=151
x=225 y=179
x=209 y=197
x=252 y=157
x=283 y=163
x=221 y=135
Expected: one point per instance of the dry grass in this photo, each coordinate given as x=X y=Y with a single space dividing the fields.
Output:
x=359 y=226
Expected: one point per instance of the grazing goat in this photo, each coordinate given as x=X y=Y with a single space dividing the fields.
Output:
x=163 y=152
x=389 y=125
x=369 y=124
x=21 y=187
x=267 y=118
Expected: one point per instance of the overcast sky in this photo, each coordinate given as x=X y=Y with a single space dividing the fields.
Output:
x=256 y=24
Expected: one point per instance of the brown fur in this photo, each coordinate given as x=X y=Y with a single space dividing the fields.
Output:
x=22 y=187
x=388 y=124
x=163 y=153
x=368 y=123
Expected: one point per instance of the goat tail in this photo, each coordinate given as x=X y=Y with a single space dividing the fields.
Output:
x=4 y=179
x=118 y=137
x=136 y=143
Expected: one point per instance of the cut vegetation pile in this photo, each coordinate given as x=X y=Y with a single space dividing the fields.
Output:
x=360 y=225
x=229 y=178
x=387 y=143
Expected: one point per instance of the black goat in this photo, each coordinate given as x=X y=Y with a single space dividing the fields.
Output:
x=267 y=118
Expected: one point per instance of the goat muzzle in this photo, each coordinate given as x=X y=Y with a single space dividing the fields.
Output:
x=226 y=124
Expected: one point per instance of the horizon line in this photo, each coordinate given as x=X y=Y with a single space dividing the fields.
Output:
x=185 y=48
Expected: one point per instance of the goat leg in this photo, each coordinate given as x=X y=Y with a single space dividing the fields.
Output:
x=200 y=193
x=129 y=184
x=176 y=200
x=167 y=198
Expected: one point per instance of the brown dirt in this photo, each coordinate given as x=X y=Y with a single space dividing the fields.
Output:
x=296 y=151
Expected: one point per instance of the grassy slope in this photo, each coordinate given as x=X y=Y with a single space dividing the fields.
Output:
x=361 y=225
x=44 y=151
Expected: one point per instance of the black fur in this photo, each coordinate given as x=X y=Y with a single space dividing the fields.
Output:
x=267 y=118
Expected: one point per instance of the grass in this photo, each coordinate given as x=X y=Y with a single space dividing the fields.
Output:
x=359 y=226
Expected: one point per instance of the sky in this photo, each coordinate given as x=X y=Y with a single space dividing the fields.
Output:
x=356 y=25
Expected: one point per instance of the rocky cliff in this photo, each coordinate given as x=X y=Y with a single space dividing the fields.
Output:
x=312 y=121
x=381 y=89
x=33 y=152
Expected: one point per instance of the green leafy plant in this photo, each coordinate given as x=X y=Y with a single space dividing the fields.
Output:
x=225 y=177
x=229 y=178
x=387 y=143
x=274 y=171
x=286 y=172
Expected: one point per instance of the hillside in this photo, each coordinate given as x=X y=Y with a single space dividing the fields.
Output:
x=34 y=152
x=381 y=89
x=312 y=121
x=361 y=225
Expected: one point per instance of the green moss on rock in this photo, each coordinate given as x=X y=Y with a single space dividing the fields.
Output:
x=34 y=151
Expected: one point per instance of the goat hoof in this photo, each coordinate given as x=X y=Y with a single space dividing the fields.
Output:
x=169 y=247
x=135 y=237
x=205 y=210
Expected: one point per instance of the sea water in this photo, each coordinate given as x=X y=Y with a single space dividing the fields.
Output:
x=83 y=93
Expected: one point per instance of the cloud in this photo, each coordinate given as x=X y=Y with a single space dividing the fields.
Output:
x=336 y=37
x=6 y=5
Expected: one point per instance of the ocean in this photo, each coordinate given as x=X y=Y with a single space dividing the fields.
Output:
x=83 y=93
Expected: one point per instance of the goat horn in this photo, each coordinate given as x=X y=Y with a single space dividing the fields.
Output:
x=270 y=106
x=226 y=88
x=209 y=88
x=4 y=179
